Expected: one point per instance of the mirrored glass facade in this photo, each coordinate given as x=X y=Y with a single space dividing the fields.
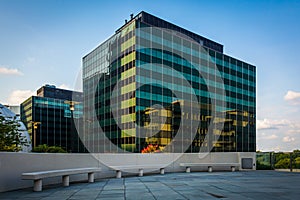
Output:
x=56 y=122
x=140 y=88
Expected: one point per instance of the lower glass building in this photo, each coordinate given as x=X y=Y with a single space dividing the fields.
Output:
x=49 y=119
x=155 y=83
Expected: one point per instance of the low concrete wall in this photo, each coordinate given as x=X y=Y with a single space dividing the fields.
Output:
x=12 y=165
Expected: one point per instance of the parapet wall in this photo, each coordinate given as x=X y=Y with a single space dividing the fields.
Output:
x=12 y=165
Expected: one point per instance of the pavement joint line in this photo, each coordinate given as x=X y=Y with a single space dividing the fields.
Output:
x=174 y=190
x=124 y=194
x=82 y=189
x=242 y=185
x=148 y=189
x=106 y=182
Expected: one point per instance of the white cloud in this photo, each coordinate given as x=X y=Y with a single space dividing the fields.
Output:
x=18 y=96
x=64 y=86
x=271 y=124
x=278 y=148
x=292 y=97
x=288 y=139
x=271 y=137
x=293 y=128
x=295 y=125
x=9 y=71
x=293 y=131
x=264 y=136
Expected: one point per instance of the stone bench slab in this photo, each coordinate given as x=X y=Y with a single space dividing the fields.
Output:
x=140 y=168
x=65 y=173
x=209 y=165
x=60 y=172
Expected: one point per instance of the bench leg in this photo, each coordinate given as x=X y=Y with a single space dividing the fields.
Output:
x=37 y=185
x=91 y=177
x=141 y=172
x=66 y=180
x=188 y=169
x=210 y=169
x=162 y=170
x=233 y=169
x=119 y=174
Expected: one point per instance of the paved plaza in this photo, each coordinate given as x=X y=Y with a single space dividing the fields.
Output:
x=196 y=185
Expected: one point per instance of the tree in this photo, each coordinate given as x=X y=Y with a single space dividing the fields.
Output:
x=10 y=136
x=44 y=148
x=283 y=163
x=296 y=151
x=280 y=156
x=297 y=163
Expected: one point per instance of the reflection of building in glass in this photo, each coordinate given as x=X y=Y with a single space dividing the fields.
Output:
x=49 y=119
x=146 y=61
x=165 y=121
x=8 y=113
x=14 y=108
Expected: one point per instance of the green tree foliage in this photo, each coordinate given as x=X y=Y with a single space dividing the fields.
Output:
x=283 y=160
x=297 y=163
x=10 y=138
x=281 y=156
x=262 y=166
x=263 y=161
x=48 y=149
x=283 y=163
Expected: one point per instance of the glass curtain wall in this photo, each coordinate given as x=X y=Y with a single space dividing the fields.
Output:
x=239 y=81
x=142 y=64
x=56 y=126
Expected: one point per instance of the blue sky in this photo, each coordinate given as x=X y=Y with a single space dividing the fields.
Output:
x=43 y=42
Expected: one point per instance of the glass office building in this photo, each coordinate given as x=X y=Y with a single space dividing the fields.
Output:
x=49 y=119
x=155 y=83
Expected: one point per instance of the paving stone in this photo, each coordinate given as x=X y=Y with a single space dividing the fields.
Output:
x=144 y=196
x=195 y=185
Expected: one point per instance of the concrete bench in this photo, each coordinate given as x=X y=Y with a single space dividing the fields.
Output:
x=140 y=169
x=209 y=165
x=65 y=173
